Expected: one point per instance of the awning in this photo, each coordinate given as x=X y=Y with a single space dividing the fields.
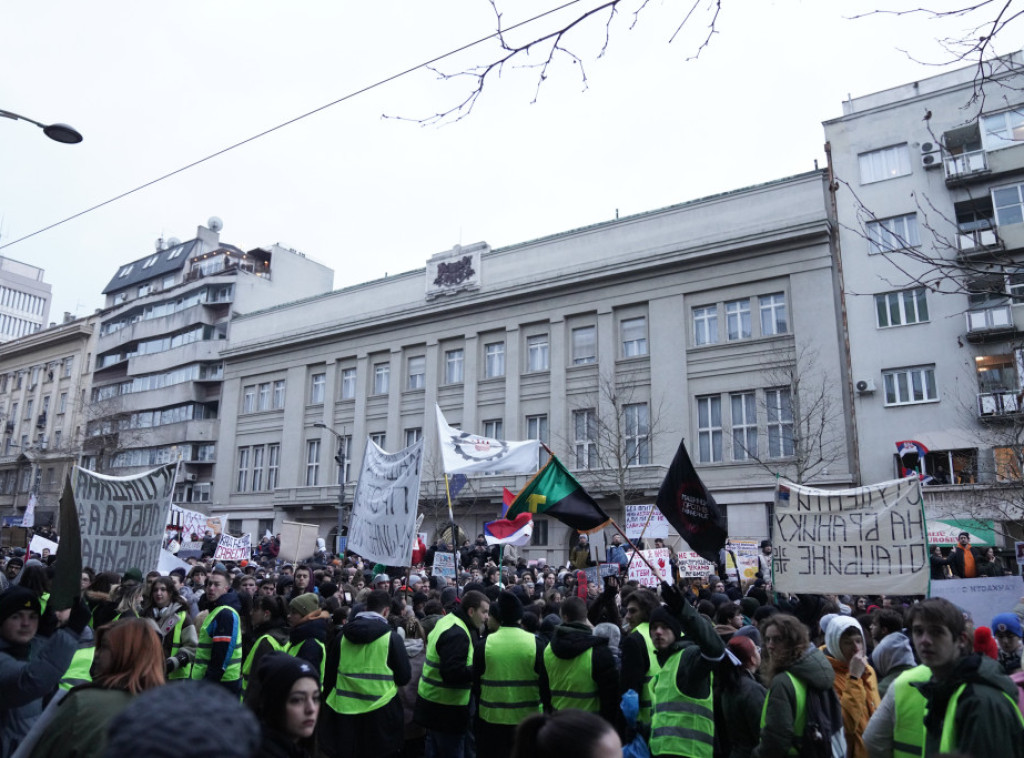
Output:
x=944 y=532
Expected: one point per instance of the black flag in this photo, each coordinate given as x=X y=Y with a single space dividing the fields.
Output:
x=688 y=506
x=67 y=576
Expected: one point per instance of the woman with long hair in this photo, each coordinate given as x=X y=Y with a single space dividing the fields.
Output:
x=569 y=733
x=129 y=660
x=169 y=611
x=789 y=661
x=287 y=703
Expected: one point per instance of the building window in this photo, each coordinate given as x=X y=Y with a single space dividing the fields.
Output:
x=317 y=382
x=537 y=358
x=998 y=129
x=1009 y=205
x=890 y=234
x=537 y=429
x=887 y=163
x=494 y=360
x=312 y=463
x=454 y=364
x=637 y=418
x=709 y=429
x=584 y=423
x=381 y=378
x=273 y=465
x=68 y=363
x=279 y=394
x=779 y=415
x=417 y=367
x=773 y=314
x=705 y=325
x=379 y=439
x=584 y=345
x=257 y=468
x=540 y=533
x=242 y=480
x=249 y=399
x=348 y=383
x=634 y=336
x=744 y=426
x=902 y=307
x=910 y=385
x=57 y=439
x=263 y=396
x=737 y=319
x=413 y=435
x=495 y=429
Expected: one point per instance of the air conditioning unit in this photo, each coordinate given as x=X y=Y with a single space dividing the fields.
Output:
x=931 y=154
x=865 y=386
x=191 y=477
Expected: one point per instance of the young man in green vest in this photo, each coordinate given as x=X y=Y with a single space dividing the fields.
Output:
x=683 y=719
x=364 y=671
x=509 y=670
x=219 y=654
x=443 y=694
x=639 y=659
x=971 y=704
x=581 y=669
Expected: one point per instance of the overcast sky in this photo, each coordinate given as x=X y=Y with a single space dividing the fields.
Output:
x=154 y=87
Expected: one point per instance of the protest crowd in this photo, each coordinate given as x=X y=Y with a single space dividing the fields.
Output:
x=504 y=657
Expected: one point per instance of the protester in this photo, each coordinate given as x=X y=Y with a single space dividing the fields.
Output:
x=639 y=659
x=287 y=706
x=579 y=555
x=307 y=638
x=175 y=626
x=892 y=656
x=964 y=559
x=580 y=667
x=270 y=629
x=1006 y=628
x=855 y=681
x=739 y=700
x=219 y=654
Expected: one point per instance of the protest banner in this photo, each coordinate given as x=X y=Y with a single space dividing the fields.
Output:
x=636 y=519
x=122 y=519
x=692 y=565
x=383 y=528
x=39 y=543
x=169 y=561
x=609 y=569
x=594 y=575
x=193 y=522
x=233 y=548
x=444 y=565
x=640 y=572
x=982 y=597
x=866 y=540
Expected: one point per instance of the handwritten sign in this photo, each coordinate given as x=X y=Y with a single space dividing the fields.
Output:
x=692 y=565
x=865 y=540
x=384 y=509
x=233 y=548
x=636 y=519
x=123 y=518
x=639 y=571
x=983 y=597
x=193 y=522
x=444 y=564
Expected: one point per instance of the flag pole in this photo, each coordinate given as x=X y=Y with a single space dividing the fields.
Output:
x=641 y=538
x=636 y=550
x=455 y=532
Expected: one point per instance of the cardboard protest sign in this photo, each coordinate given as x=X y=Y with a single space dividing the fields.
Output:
x=593 y=575
x=983 y=597
x=122 y=519
x=636 y=519
x=39 y=543
x=444 y=565
x=233 y=548
x=692 y=565
x=639 y=570
x=383 y=528
x=866 y=540
x=609 y=569
x=193 y=522
x=168 y=562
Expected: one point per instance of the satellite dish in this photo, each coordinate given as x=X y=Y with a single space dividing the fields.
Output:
x=159 y=244
x=214 y=224
x=173 y=242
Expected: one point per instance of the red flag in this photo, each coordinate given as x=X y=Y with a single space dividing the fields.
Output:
x=507 y=498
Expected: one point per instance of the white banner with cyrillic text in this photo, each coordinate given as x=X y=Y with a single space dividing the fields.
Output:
x=233 y=548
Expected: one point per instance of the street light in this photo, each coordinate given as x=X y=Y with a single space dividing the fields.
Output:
x=57 y=132
x=339 y=457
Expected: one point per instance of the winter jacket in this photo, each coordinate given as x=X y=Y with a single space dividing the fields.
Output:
x=987 y=722
x=572 y=640
x=740 y=709
x=579 y=557
x=453 y=653
x=417 y=651
x=85 y=712
x=858 y=698
x=308 y=641
x=166 y=620
x=277 y=744
x=777 y=736
x=27 y=675
x=956 y=560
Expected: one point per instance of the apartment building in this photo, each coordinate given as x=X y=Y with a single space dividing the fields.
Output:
x=929 y=192
x=608 y=343
x=24 y=299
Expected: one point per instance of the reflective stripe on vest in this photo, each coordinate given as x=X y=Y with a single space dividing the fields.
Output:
x=949 y=737
x=204 y=651
x=365 y=682
x=275 y=646
x=908 y=716
x=78 y=670
x=572 y=681
x=510 y=688
x=293 y=650
x=681 y=725
x=647 y=690
x=800 y=712
x=183 y=671
x=431 y=686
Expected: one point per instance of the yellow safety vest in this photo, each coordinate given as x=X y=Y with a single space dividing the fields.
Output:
x=646 y=693
x=249 y=659
x=572 y=681
x=182 y=672
x=79 y=670
x=204 y=651
x=681 y=725
x=510 y=687
x=910 y=706
x=948 y=744
x=431 y=686
x=365 y=682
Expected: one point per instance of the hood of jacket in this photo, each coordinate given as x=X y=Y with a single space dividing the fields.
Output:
x=894 y=650
x=365 y=629
x=573 y=639
x=813 y=669
x=314 y=629
x=972 y=669
x=230 y=599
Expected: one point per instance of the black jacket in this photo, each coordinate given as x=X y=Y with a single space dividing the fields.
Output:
x=452 y=648
x=956 y=560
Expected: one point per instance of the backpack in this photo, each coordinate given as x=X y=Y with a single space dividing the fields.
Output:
x=823 y=735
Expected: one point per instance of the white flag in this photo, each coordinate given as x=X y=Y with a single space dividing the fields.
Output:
x=465 y=453
x=29 y=519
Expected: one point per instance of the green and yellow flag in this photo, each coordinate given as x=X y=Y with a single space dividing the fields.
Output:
x=553 y=491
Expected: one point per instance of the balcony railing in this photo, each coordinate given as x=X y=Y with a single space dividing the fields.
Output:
x=997 y=403
x=978 y=240
x=965 y=164
x=998 y=318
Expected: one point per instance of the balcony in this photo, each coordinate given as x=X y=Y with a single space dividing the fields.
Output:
x=986 y=323
x=978 y=242
x=995 y=404
x=964 y=166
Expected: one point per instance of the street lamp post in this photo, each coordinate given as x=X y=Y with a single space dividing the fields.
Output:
x=340 y=459
x=57 y=132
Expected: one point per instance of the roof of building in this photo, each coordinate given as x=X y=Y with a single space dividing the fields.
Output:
x=153 y=265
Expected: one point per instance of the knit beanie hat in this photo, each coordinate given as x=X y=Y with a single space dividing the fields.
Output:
x=835 y=629
x=743 y=648
x=662 y=615
x=1007 y=622
x=275 y=675
x=985 y=643
x=17 y=598
x=304 y=604
x=749 y=605
x=751 y=632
